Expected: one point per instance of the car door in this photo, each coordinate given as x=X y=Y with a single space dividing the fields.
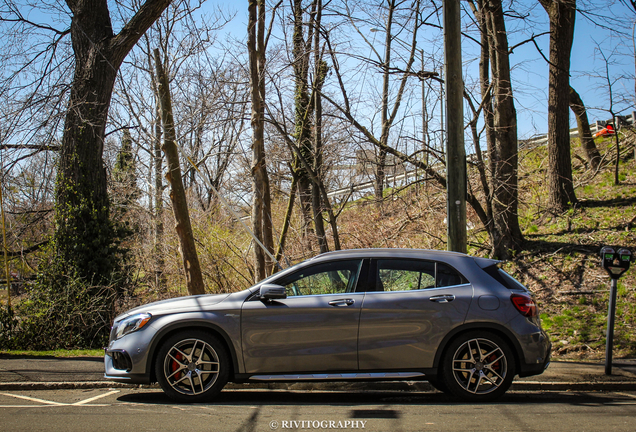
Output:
x=415 y=304
x=314 y=329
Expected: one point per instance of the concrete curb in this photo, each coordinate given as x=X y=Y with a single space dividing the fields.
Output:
x=574 y=386
x=422 y=386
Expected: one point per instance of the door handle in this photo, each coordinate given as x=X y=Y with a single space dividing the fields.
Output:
x=343 y=302
x=444 y=298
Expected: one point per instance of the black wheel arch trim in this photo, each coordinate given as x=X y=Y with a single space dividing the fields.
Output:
x=190 y=325
x=507 y=334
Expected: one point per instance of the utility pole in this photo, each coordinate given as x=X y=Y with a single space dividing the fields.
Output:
x=455 y=152
x=442 y=97
x=424 y=127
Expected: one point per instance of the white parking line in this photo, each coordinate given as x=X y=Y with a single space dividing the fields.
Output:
x=47 y=403
x=28 y=406
x=95 y=398
x=33 y=399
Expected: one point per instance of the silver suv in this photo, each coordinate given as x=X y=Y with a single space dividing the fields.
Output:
x=458 y=321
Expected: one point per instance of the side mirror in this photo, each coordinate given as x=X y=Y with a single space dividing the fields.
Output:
x=270 y=292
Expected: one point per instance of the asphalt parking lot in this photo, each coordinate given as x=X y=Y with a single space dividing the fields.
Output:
x=53 y=394
x=267 y=410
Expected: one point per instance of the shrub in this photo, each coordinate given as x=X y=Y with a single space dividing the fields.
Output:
x=60 y=312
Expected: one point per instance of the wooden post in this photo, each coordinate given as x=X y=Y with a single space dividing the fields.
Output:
x=455 y=152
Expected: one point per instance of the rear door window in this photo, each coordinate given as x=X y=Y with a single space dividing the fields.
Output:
x=409 y=275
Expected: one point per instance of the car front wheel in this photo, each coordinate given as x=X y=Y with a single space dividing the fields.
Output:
x=192 y=366
x=478 y=366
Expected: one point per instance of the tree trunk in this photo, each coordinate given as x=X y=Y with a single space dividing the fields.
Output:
x=85 y=237
x=194 y=279
x=160 y=279
x=303 y=187
x=380 y=170
x=303 y=114
x=288 y=214
x=562 y=14
x=484 y=79
x=320 y=73
x=505 y=234
x=486 y=95
x=261 y=200
x=585 y=135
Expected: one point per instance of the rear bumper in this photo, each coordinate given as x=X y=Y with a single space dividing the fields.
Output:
x=541 y=363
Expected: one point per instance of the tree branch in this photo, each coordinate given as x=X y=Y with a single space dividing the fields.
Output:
x=30 y=147
x=34 y=248
x=147 y=14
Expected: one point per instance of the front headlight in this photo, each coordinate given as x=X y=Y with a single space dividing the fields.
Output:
x=131 y=324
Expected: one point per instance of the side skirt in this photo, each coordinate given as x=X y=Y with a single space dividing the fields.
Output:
x=357 y=376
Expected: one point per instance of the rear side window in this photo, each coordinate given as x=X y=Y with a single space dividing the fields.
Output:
x=448 y=276
x=409 y=275
x=504 y=278
x=394 y=275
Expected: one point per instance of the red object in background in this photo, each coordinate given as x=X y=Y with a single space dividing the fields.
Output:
x=607 y=130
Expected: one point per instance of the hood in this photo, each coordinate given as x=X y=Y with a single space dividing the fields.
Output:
x=180 y=304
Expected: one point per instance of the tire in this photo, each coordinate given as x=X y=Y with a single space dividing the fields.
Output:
x=478 y=366
x=192 y=366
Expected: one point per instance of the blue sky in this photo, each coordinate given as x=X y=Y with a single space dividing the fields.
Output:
x=530 y=71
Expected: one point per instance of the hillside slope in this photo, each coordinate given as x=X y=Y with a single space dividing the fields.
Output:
x=559 y=261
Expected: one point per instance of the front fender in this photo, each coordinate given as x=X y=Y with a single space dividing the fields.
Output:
x=225 y=324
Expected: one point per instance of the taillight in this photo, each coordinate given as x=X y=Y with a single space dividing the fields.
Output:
x=524 y=304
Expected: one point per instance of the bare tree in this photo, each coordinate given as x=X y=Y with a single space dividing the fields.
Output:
x=501 y=131
x=500 y=214
x=209 y=103
x=308 y=117
x=81 y=194
x=585 y=135
x=261 y=198
x=192 y=269
x=320 y=73
x=303 y=116
x=562 y=14
x=610 y=83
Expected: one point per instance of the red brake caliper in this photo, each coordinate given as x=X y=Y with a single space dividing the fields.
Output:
x=495 y=366
x=174 y=365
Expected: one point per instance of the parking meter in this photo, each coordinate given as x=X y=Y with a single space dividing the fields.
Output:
x=616 y=263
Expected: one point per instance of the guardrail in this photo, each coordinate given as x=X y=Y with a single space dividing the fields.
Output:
x=627 y=120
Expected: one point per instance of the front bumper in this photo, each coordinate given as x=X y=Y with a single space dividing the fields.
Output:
x=121 y=375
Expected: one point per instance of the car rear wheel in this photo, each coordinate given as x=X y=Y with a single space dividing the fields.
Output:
x=478 y=366
x=192 y=366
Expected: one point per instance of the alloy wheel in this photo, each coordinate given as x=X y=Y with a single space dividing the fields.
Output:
x=479 y=366
x=191 y=366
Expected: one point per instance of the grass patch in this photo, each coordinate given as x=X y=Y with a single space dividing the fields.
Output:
x=56 y=353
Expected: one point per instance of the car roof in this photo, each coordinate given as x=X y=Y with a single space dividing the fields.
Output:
x=455 y=259
x=430 y=254
x=390 y=253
